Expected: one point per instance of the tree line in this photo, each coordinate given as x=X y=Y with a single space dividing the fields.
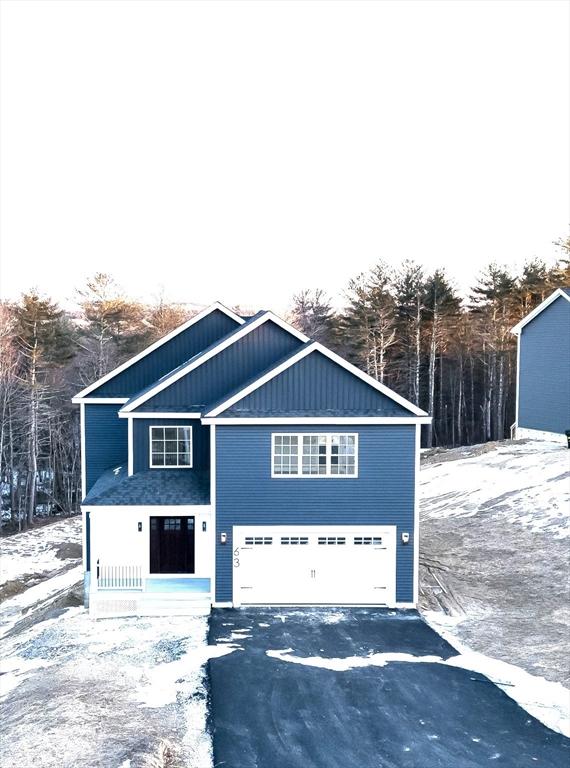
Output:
x=453 y=357
x=407 y=328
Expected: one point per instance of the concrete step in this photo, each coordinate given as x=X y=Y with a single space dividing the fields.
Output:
x=107 y=604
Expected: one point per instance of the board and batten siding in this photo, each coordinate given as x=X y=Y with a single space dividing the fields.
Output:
x=382 y=494
x=544 y=370
x=106 y=441
x=316 y=386
x=141 y=448
x=168 y=356
x=231 y=367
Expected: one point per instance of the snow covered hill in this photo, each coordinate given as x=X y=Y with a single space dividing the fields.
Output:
x=495 y=521
x=31 y=556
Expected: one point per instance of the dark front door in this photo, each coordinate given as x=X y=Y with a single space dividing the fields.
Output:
x=172 y=545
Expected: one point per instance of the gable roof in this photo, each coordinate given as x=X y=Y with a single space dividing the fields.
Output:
x=194 y=362
x=218 y=408
x=216 y=306
x=558 y=293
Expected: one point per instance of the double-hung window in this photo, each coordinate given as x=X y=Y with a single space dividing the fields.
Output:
x=171 y=447
x=314 y=455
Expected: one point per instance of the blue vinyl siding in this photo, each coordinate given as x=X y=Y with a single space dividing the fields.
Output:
x=200 y=442
x=383 y=493
x=252 y=354
x=544 y=375
x=106 y=440
x=180 y=348
x=316 y=386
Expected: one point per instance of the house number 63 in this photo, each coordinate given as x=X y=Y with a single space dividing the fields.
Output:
x=236 y=557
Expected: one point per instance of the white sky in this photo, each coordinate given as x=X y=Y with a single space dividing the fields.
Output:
x=243 y=151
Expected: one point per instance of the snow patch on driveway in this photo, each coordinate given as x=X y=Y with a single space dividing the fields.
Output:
x=548 y=702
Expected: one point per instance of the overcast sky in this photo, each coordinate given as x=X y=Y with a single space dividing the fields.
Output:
x=242 y=151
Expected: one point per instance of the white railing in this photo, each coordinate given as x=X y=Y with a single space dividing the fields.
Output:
x=119 y=577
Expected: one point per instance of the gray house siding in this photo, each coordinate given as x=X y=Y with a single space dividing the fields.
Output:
x=382 y=494
x=544 y=370
x=316 y=386
x=246 y=357
x=141 y=449
x=171 y=354
x=106 y=440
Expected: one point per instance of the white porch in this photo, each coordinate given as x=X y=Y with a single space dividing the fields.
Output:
x=121 y=581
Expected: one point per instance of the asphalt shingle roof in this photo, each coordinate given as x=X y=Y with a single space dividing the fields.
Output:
x=152 y=487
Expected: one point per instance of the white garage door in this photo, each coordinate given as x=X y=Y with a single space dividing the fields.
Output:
x=314 y=565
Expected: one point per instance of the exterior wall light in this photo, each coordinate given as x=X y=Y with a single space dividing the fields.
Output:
x=223 y=538
x=139 y=526
x=405 y=538
x=204 y=526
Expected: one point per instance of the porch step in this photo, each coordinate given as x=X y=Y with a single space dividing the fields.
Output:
x=148 y=604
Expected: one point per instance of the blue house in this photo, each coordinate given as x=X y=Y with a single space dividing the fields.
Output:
x=543 y=370
x=237 y=462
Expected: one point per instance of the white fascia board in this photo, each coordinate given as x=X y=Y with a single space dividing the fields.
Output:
x=160 y=385
x=160 y=415
x=325 y=420
x=204 y=313
x=558 y=293
x=309 y=349
x=159 y=509
x=100 y=400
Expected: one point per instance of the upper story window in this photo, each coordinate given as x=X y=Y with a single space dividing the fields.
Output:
x=171 y=447
x=314 y=455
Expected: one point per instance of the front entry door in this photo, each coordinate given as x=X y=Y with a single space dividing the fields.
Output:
x=172 y=545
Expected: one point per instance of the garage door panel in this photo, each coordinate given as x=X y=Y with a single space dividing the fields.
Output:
x=307 y=565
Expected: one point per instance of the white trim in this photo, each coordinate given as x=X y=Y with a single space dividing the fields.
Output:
x=300 y=475
x=324 y=420
x=160 y=415
x=83 y=453
x=171 y=510
x=204 y=313
x=100 y=400
x=315 y=346
x=169 y=426
x=523 y=433
x=559 y=292
x=130 y=460
x=416 y=539
x=213 y=505
x=190 y=366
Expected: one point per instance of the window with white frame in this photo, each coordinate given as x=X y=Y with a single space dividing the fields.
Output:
x=315 y=455
x=171 y=447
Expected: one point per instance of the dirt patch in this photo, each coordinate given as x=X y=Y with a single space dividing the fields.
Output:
x=437 y=455
x=17 y=586
x=69 y=551
x=11 y=529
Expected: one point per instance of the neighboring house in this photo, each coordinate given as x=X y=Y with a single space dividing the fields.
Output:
x=238 y=462
x=543 y=370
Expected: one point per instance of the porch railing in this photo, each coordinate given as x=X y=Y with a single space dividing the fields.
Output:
x=119 y=577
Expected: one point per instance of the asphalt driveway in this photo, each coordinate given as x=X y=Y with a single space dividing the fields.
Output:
x=294 y=696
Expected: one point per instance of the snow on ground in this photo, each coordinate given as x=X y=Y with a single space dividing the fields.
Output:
x=497 y=517
x=40 y=552
x=77 y=692
x=525 y=483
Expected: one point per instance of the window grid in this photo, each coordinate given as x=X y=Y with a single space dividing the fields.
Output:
x=170 y=447
x=314 y=455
